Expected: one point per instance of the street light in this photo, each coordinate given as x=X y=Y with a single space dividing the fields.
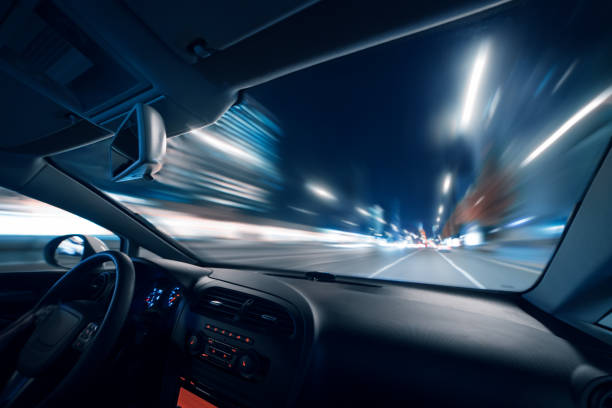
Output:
x=362 y=211
x=321 y=192
x=472 y=90
x=447 y=183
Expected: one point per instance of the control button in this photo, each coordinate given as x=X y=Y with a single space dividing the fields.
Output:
x=208 y=326
x=86 y=335
x=215 y=329
x=248 y=365
x=248 y=340
x=230 y=334
x=238 y=337
x=194 y=344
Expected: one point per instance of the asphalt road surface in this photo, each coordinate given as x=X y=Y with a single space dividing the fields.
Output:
x=458 y=267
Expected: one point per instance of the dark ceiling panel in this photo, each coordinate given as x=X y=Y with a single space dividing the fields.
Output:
x=220 y=23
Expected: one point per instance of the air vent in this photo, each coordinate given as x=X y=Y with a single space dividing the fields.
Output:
x=244 y=310
x=601 y=395
x=269 y=317
x=221 y=303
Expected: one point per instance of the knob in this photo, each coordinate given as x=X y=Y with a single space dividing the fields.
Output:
x=248 y=365
x=195 y=344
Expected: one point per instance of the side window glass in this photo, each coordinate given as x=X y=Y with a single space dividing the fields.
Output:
x=27 y=225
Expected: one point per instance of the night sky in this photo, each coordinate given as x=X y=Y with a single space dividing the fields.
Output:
x=372 y=125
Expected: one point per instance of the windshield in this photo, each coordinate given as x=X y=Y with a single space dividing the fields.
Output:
x=453 y=157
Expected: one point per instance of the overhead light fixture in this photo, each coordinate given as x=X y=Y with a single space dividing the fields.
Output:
x=440 y=209
x=571 y=122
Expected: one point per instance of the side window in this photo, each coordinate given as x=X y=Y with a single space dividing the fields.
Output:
x=27 y=225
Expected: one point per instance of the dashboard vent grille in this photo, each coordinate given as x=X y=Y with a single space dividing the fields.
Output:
x=268 y=316
x=221 y=303
x=245 y=310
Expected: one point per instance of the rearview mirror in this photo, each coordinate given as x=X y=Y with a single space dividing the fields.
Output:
x=139 y=145
x=67 y=251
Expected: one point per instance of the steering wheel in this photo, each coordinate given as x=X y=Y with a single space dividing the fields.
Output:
x=71 y=337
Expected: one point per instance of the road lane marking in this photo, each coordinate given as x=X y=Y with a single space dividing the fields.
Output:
x=522 y=268
x=467 y=275
x=392 y=264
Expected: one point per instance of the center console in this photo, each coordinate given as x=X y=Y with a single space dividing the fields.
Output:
x=239 y=348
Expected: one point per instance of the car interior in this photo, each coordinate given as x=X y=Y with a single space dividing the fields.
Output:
x=141 y=319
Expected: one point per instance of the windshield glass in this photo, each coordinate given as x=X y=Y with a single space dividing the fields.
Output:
x=454 y=157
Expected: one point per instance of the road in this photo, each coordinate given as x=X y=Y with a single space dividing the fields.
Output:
x=459 y=267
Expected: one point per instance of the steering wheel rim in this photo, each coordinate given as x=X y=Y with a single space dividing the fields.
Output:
x=96 y=349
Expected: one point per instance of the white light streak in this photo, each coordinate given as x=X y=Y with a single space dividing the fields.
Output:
x=362 y=211
x=321 y=192
x=519 y=222
x=447 y=183
x=302 y=210
x=472 y=90
x=570 y=123
x=226 y=147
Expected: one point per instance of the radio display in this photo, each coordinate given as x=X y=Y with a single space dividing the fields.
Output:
x=188 y=399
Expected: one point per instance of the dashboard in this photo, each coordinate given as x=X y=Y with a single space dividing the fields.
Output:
x=248 y=339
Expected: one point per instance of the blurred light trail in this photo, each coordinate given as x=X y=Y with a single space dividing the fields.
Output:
x=351 y=223
x=571 y=122
x=473 y=237
x=321 y=192
x=382 y=221
x=191 y=227
x=362 y=211
x=394 y=227
x=440 y=209
x=472 y=90
x=227 y=203
x=33 y=218
x=494 y=103
x=555 y=229
x=447 y=183
x=545 y=81
x=438 y=219
x=302 y=210
x=227 y=148
x=479 y=201
x=564 y=77
x=519 y=222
